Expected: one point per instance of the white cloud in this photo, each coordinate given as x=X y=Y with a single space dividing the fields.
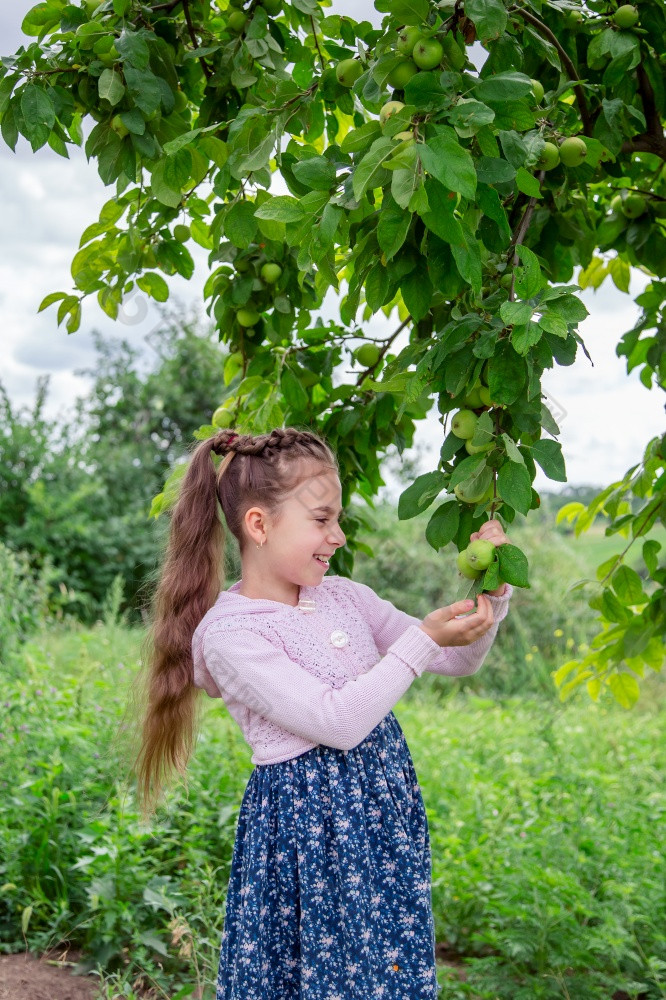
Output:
x=48 y=201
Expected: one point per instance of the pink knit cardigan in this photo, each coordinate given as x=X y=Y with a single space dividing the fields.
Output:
x=293 y=678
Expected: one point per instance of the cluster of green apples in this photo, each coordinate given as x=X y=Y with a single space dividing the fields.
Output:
x=630 y=204
x=571 y=152
x=419 y=49
x=476 y=558
x=235 y=17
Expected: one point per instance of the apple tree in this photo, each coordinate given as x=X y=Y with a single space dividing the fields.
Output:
x=453 y=169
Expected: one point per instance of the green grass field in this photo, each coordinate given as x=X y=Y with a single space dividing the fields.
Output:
x=546 y=820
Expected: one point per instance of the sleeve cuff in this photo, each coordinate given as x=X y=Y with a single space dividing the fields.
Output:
x=415 y=648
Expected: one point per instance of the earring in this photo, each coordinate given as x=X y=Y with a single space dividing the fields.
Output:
x=259 y=546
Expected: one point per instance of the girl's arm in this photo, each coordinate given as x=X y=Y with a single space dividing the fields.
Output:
x=250 y=670
x=387 y=622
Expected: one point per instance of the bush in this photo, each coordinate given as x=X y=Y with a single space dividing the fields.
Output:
x=23 y=600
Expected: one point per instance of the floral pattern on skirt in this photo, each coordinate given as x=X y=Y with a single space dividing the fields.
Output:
x=329 y=895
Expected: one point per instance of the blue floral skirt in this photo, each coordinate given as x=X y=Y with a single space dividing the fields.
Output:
x=329 y=895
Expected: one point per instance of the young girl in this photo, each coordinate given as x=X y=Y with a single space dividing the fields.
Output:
x=329 y=895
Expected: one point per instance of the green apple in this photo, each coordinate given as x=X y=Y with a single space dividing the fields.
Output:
x=477 y=449
x=270 y=272
x=634 y=205
x=484 y=393
x=367 y=355
x=625 y=16
x=473 y=399
x=401 y=74
x=573 y=151
x=573 y=18
x=407 y=39
x=236 y=21
x=119 y=126
x=388 y=110
x=465 y=497
x=506 y=279
x=222 y=417
x=428 y=53
x=403 y=136
x=464 y=424
x=180 y=101
x=247 y=317
x=182 y=232
x=91 y=6
x=348 y=72
x=616 y=203
x=480 y=554
x=550 y=156
x=272 y=7
x=242 y=265
x=537 y=90
x=464 y=567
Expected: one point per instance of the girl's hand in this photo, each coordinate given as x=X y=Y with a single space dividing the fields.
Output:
x=491 y=531
x=446 y=629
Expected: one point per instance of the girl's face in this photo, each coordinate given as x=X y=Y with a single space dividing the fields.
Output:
x=308 y=527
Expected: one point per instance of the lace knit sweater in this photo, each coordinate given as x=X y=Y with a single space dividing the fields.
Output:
x=293 y=678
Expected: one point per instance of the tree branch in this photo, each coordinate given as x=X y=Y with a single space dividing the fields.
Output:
x=314 y=35
x=521 y=233
x=566 y=63
x=653 y=139
x=190 y=27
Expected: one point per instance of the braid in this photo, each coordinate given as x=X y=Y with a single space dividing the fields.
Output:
x=265 y=445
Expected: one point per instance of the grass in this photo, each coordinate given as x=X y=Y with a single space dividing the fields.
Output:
x=546 y=821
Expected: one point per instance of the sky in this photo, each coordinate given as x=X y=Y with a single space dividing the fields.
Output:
x=605 y=416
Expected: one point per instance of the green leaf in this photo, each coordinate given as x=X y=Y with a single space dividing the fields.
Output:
x=370 y=171
x=392 y=229
x=240 y=225
x=133 y=47
x=440 y=218
x=552 y=323
x=527 y=183
x=549 y=456
x=489 y=16
x=468 y=261
x=110 y=86
x=177 y=169
x=507 y=374
x=50 y=299
x=154 y=285
x=501 y=87
x=416 y=289
x=418 y=497
x=161 y=189
x=494 y=170
x=628 y=586
x=515 y=486
x=443 y=525
x=316 y=173
x=516 y=312
x=38 y=114
x=625 y=689
x=513 y=565
x=360 y=138
x=650 y=549
x=444 y=158
x=281 y=208
x=376 y=287
x=526 y=336
x=528 y=276
x=405 y=11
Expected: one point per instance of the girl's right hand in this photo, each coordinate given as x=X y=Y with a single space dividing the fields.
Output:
x=447 y=630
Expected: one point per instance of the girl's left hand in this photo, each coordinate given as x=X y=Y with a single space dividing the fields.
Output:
x=491 y=531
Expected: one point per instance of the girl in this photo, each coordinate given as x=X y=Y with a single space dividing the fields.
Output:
x=329 y=895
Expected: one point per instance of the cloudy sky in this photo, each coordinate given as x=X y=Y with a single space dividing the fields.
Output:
x=605 y=415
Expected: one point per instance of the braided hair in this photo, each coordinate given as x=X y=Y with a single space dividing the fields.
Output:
x=255 y=470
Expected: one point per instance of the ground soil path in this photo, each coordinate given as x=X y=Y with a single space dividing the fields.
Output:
x=25 y=977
